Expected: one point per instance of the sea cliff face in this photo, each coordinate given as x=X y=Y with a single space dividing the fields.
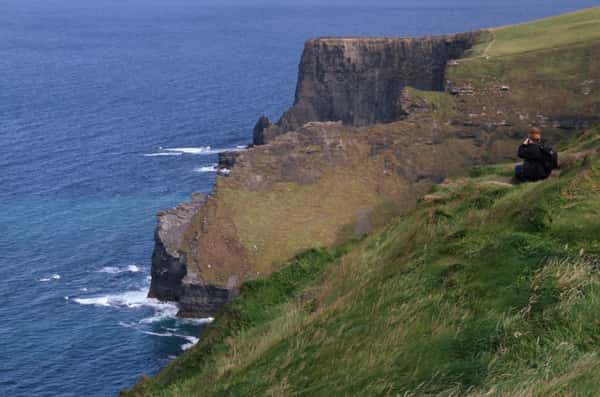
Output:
x=168 y=265
x=360 y=81
x=171 y=280
x=376 y=122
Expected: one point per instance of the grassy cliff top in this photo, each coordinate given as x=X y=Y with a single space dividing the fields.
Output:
x=571 y=29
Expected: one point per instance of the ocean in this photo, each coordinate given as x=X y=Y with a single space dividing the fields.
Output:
x=113 y=109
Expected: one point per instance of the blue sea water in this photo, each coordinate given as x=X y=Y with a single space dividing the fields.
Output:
x=93 y=94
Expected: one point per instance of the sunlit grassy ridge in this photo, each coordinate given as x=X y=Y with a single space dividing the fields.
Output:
x=564 y=30
x=485 y=289
x=547 y=64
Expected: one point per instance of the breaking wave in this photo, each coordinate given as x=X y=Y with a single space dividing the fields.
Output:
x=202 y=150
x=168 y=332
x=54 y=277
x=211 y=168
x=117 y=270
x=192 y=340
x=162 y=154
x=133 y=300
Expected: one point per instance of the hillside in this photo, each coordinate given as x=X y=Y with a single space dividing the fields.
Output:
x=479 y=287
x=485 y=289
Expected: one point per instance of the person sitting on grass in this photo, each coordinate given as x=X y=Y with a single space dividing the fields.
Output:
x=540 y=158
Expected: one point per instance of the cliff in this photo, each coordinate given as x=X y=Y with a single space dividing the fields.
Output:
x=168 y=265
x=360 y=81
x=375 y=124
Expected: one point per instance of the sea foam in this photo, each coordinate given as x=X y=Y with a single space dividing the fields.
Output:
x=192 y=340
x=202 y=150
x=54 y=277
x=132 y=299
x=211 y=168
x=162 y=154
x=117 y=270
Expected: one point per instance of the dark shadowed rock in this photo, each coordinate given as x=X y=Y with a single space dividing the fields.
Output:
x=260 y=133
x=199 y=300
x=168 y=267
x=227 y=159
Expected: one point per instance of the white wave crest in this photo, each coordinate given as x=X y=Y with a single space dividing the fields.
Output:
x=117 y=270
x=132 y=299
x=169 y=332
x=190 y=150
x=192 y=340
x=158 y=333
x=51 y=278
x=162 y=154
x=197 y=321
x=202 y=150
x=211 y=168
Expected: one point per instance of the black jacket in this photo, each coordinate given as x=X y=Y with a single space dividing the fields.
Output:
x=533 y=168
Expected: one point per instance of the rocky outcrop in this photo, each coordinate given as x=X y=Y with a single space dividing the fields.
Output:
x=261 y=133
x=200 y=300
x=168 y=265
x=227 y=159
x=172 y=277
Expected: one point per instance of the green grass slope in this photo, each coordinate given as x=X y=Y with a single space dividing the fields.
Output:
x=552 y=67
x=563 y=30
x=487 y=289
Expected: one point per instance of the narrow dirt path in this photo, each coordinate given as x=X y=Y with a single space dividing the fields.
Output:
x=489 y=46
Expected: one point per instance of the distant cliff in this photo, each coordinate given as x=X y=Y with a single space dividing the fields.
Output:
x=360 y=81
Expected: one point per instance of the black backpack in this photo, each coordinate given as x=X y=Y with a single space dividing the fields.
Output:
x=549 y=158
